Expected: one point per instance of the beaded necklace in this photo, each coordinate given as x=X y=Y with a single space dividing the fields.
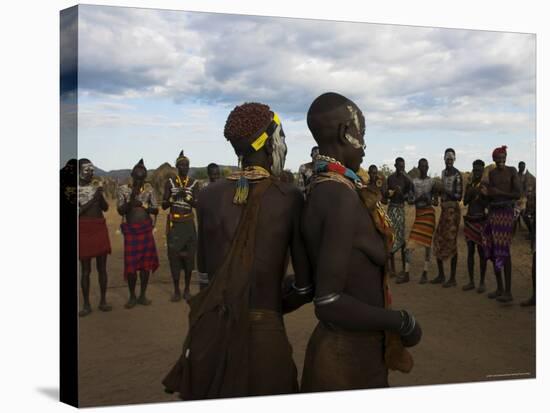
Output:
x=180 y=183
x=325 y=163
x=243 y=178
x=141 y=188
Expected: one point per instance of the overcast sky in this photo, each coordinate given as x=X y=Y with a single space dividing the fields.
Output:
x=154 y=82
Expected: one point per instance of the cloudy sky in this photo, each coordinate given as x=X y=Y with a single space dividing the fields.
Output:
x=154 y=82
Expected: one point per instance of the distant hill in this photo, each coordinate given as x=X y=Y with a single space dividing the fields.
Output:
x=100 y=172
x=117 y=174
x=156 y=177
x=122 y=175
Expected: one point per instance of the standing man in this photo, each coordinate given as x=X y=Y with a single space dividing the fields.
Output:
x=213 y=171
x=236 y=344
x=93 y=237
x=521 y=204
x=445 y=246
x=533 y=300
x=180 y=195
x=522 y=178
x=136 y=202
x=376 y=182
x=503 y=191
x=306 y=170
x=474 y=222
x=68 y=184
x=424 y=221
x=347 y=245
x=398 y=189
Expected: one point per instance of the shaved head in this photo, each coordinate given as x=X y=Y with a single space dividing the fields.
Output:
x=328 y=112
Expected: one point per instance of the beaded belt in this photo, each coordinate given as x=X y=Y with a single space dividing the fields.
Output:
x=178 y=217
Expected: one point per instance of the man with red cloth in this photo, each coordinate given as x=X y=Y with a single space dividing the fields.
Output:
x=136 y=203
x=93 y=237
x=503 y=191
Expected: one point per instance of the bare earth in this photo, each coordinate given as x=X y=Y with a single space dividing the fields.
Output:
x=125 y=354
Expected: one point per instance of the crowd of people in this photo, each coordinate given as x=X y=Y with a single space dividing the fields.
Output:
x=340 y=226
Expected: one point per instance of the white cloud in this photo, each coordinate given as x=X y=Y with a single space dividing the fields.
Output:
x=405 y=79
x=400 y=76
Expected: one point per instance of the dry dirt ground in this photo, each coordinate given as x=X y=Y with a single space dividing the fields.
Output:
x=124 y=354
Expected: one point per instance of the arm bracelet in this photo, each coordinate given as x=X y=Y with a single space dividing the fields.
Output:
x=302 y=290
x=326 y=299
x=203 y=277
x=408 y=323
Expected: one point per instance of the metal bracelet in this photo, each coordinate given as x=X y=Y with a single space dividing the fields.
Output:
x=302 y=290
x=408 y=323
x=326 y=299
x=404 y=319
x=203 y=277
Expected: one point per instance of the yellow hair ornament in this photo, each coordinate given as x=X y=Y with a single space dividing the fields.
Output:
x=260 y=141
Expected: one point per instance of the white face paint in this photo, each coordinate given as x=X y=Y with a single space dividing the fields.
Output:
x=354 y=117
x=450 y=155
x=87 y=171
x=356 y=122
x=355 y=142
x=279 y=151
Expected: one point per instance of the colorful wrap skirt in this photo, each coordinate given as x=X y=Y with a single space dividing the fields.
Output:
x=497 y=235
x=396 y=214
x=423 y=228
x=140 y=251
x=473 y=228
x=447 y=231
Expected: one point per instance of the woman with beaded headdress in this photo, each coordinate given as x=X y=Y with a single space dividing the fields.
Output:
x=236 y=344
x=348 y=239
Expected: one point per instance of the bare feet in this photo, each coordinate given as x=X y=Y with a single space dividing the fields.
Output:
x=469 y=286
x=86 y=310
x=105 y=307
x=481 y=289
x=505 y=298
x=495 y=294
x=438 y=280
x=424 y=277
x=132 y=301
x=143 y=300
x=176 y=297
x=450 y=283
x=186 y=295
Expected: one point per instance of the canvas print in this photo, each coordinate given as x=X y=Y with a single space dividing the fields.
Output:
x=257 y=206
